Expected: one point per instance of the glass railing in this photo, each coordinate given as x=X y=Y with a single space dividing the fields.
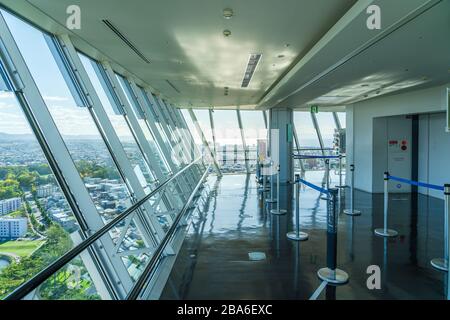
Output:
x=76 y=276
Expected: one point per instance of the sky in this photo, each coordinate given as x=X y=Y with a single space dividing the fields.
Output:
x=73 y=120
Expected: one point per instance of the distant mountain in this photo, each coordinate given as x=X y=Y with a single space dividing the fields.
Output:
x=22 y=137
x=7 y=136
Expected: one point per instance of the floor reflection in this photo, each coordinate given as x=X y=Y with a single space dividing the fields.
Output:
x=234 y=221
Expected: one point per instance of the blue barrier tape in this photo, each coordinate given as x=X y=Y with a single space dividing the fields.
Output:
x=417 y=183
x=301 y=156
x=313 y=186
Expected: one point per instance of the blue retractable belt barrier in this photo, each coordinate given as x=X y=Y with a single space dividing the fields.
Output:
x=302 y=156
x=416 y=183
x=313 y=186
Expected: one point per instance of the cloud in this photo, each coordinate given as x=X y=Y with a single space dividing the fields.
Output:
x=55 y=98
x=6 y=95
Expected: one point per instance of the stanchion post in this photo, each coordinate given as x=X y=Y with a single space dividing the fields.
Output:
x=278 y=211
x=331 y=274
x=351 y=211
x=297 y=235
x=442 y=263
x=327 y=177
x=385 y=232
x=271 y=200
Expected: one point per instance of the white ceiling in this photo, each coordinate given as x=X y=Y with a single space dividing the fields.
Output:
x=184 y=40
x=410 y=52
x=329 y=56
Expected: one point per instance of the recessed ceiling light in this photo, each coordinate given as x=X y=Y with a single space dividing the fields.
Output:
x=281 y=56
x=227 y=13
x=226 y=33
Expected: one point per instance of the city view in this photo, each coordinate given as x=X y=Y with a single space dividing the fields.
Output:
x=50 y=225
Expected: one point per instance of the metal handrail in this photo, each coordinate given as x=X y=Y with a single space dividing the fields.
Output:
x=154 y=260
x=51 y=269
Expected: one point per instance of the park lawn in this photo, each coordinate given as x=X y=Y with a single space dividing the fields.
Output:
x=20 y=248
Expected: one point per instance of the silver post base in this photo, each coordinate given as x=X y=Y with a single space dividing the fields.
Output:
x=278 y=212
x=271 y=200
x=341 y=187
x=386 y=232
x=324 y=198
x=300 y=236
x=333 y=277
x=352 y=212
x=440 y=264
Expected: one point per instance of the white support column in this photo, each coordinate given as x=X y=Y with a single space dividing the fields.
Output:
x=213 y=130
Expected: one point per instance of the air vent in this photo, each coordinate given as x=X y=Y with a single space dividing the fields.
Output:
x=251 y=67
x=173 y=86
x=124 y=39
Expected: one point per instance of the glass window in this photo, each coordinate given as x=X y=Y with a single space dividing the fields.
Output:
x=327 y=127
x=342 y=119
x=85 y=144
x=306 y=133
x=230 y=153
x=204 y=122
x=75 y=123
x=122 y=128
x=191 y=127
x=254 y=129
x=37 y=225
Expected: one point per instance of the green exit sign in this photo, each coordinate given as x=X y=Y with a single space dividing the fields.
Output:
x=314 y=109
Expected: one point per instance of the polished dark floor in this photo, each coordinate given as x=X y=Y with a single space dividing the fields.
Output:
x=233 y=221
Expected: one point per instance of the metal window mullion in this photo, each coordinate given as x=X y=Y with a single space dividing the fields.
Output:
x=113 y=141
x=185 y=125
x=205 y=142
x=337 y=122
x=132 y=121
x=173 y=127
x=165 y=127
x=184 y=137
x=181 y=183
x=265 y=119
x=319 y=134
x=244 y=145
x=187 y=135
x=297 y=145
x=177 y=134
x=61 y=156
x=191 y=142
x=152 y=127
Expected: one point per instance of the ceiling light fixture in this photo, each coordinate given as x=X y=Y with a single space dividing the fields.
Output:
x=226 y=33
x=227 y=13
x=253 y=62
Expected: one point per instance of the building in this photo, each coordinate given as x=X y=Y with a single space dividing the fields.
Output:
x=13 y=228
x=10 y=205
x=154 y=149
x=46 y=190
